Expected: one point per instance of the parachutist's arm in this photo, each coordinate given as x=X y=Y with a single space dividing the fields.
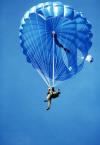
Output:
x=59 y=44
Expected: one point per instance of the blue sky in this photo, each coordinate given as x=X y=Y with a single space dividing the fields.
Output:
x=74 y=118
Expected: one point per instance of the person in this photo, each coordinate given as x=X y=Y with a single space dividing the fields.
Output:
x=58 y=43
x=51 y=94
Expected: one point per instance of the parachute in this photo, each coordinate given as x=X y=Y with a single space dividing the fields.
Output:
x=55 y=57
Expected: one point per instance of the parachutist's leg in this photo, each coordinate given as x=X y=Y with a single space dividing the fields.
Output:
x=48 y=98
x=49 y=102
x=47 y=108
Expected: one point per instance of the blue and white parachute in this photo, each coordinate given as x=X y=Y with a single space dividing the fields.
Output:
x=73 y=31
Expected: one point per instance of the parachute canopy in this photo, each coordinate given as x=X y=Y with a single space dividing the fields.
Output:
x=47 y=53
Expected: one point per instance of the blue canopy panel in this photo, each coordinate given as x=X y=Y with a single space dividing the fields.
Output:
x=73 y=32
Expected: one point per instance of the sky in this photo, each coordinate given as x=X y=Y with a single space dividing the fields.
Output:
x=74 y=118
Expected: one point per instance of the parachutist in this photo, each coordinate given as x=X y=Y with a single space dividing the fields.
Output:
x=56 y=40
x=51 y=94
x=58 y=43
